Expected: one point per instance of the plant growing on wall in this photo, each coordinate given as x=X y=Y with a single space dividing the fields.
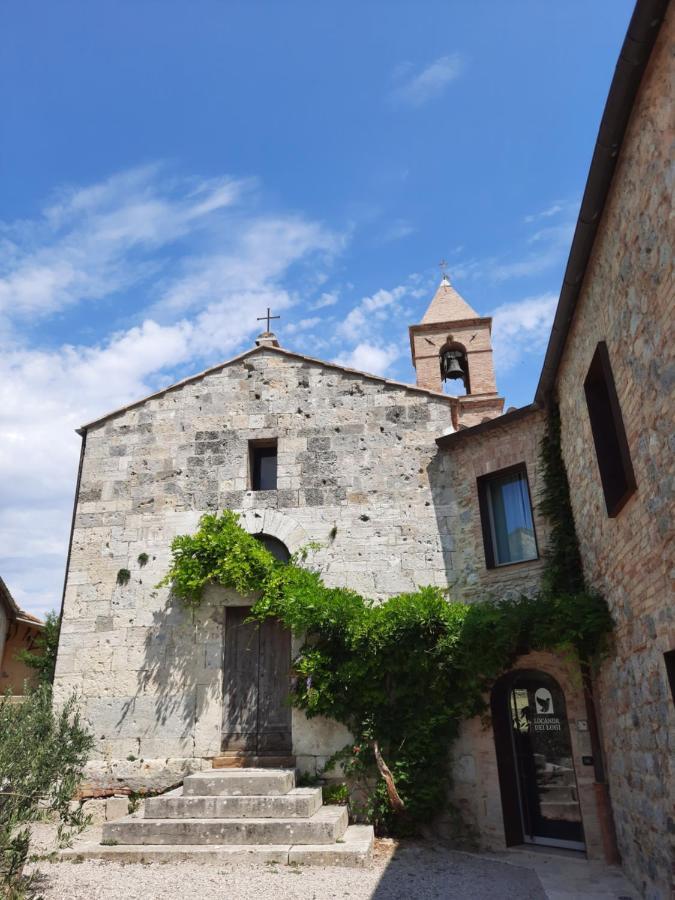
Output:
x=563 y=573
x=42 y=657
x=401 y=675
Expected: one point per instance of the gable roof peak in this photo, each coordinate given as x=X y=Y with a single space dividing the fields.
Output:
x=267 y=339
x=448 y=306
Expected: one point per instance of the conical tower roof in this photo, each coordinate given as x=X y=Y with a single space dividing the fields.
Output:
x=448 y=306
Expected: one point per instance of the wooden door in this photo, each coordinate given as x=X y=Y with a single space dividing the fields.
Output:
x=256 y=714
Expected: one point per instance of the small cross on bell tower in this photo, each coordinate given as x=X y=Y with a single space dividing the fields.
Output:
x=267 y=338
x=443 y=266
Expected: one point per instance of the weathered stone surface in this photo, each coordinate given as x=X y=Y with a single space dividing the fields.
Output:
x=627 y=300
x=239 y=783
x=298 y=802
x=354 y=849
x=116 y=808
x=326 y=826
x=355 y=458
x=208 y=854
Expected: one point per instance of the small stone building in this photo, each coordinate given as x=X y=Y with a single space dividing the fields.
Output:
x=18 y=631
x=404 y=485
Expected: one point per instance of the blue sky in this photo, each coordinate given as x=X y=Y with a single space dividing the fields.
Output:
x=169 y=169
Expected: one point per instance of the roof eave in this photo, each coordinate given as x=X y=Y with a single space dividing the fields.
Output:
x=508 y=418
x=633 y=59
x=268 y=349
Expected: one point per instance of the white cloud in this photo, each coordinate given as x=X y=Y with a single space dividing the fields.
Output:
x=367 y=357
x=217 y=264
x=521 y=328
x=396 y=230
x=328 y=298
x=371 y=312
x=93 y=242
x=544 y=249
x=545 y=213
x=303 y=325
x=427 y=84
x=552 y=248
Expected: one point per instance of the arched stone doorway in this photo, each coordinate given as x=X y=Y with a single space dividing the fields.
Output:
x=540 y=798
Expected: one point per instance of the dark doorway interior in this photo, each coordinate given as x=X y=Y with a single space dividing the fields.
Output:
x=534 y=757
x=256 y=713
x=277 y=548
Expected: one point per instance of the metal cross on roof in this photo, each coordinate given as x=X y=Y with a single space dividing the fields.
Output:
x=443 y=265
x=267 y=317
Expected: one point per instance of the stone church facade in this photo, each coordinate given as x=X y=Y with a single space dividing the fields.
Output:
x=402 y=485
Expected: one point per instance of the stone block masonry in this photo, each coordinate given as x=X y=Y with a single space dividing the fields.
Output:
x=355 y=462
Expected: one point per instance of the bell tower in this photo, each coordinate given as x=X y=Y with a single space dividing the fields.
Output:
x=452 y=346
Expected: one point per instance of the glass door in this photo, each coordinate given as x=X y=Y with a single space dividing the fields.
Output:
x=547 y=786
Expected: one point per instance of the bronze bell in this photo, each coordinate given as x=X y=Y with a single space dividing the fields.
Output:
x=451 y=366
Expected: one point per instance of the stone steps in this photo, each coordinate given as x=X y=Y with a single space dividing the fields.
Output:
x=236 y=815
x=354 y=849
x=326 y=826
x=297 y=803
x=239 y=782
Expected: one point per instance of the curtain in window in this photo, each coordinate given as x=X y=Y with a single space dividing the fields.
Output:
x=513 y=531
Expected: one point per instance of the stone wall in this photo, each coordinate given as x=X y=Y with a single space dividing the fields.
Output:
x=455 y=472
x=353 y=473
x=627 y=301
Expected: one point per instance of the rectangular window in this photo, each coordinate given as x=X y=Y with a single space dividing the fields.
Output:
x=263 y=465
x=506 y=514
x=609 y=435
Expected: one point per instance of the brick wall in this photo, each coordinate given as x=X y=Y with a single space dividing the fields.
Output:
x=627 y=300
x=474 y=335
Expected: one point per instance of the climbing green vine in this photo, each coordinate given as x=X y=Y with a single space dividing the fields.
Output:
x=563 y=573
x=401 y=675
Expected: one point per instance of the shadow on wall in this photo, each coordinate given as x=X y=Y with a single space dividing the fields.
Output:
x=452 y=517
x=180 y=675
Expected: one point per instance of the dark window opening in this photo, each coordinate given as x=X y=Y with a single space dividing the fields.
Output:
x=263 y=464
x=669 y=659
x=609 y=435
x=277 y=548
x=506 y=517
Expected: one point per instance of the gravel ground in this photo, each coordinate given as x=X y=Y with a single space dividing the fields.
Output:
x=398 y=872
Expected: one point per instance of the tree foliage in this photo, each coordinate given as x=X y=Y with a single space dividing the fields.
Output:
x=403 y=673
x=42 y=754
x=42 y=658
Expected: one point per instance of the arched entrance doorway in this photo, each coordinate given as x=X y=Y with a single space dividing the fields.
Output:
x=256 y=679
x=538 y=785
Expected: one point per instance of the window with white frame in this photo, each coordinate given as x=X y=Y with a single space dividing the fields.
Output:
x=506 y=516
